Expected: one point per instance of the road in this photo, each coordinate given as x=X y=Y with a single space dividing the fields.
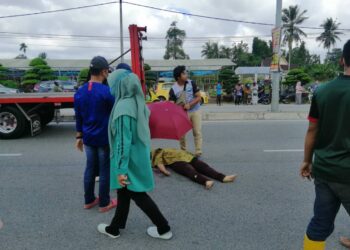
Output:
x=268 y=207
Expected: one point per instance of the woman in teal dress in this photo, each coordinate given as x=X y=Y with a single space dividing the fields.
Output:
x=131 y=172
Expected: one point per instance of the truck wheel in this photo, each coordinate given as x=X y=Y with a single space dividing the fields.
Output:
x=12 y=123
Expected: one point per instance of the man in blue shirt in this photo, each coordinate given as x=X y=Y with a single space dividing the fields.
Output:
x=93 y=103
x=218 y=93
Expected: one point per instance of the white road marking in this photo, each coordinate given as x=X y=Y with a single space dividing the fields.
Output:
x=10 y=155
x=283 y=150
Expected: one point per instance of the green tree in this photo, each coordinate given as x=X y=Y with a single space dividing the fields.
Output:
x=42 y=55
x=23 y=47
x=261 y=48
x=225 y=52
x=322 y=72
x=330 y=34
x=4 y=78
x=300 y=55
x=83 y=76
x=334 y=56
x=39 y=71
x=292 y=17
x=229 y=78
x=241 y=56
x=296 y=75
x=175 y=39
x=210 y=50
x=150 y=76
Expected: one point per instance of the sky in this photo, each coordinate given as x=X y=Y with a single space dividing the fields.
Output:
x=104 y=21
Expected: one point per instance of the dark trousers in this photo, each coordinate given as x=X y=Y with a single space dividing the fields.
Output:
x=144 y=202
x=97 y=163
x=198 y=171
x=329 y=197
x=218 y=100
x=238 y=99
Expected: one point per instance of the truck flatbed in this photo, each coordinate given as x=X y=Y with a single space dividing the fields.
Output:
x=52 y=97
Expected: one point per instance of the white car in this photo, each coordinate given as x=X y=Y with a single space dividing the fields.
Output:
x=6 y=90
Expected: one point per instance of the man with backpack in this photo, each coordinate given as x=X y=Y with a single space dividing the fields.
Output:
x=185 y=92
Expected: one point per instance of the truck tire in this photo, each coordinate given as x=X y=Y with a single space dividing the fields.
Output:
x=12 y=123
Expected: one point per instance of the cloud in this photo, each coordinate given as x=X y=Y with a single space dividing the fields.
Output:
x=104 y=21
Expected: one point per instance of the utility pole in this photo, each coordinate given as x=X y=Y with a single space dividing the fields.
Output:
x=121 y=30
x=276 y=76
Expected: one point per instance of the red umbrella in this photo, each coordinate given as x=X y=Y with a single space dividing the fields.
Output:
x=168 y=121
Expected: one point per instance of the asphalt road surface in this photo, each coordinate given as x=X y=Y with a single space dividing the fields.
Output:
x=267 y=208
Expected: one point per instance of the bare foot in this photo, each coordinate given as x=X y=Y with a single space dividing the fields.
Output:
x=209 y=184
x=163 y=170
x=345 y=242
x=229 y=178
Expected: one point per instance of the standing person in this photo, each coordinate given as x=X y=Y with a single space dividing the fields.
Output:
x=234 y=94
x=328 y=140
x=131 y=171
x=299 y=90
x=255 y=93
x=218 y=93
x=186 y=93
x=93 y=103
x=239 y=94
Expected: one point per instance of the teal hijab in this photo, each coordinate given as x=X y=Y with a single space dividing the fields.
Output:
x=125 y=86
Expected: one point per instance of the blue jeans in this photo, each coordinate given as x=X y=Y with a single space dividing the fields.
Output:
x=97 y=163
x=329 y=197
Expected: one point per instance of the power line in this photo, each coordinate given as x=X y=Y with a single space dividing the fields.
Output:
x=201 y=16
x=6 y=34
x=155 y=8
x=218 y=18
x=58 y=10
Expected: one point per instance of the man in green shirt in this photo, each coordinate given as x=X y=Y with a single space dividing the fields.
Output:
x=328 y=140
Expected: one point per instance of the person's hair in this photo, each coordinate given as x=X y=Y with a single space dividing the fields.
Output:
x=178 y=71
x=95 y=72
x=346 y=53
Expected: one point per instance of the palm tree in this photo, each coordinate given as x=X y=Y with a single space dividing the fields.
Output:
x=175 y=39
x=292 y=17
x=210 y=50
x=225 y=52
x=23 y=47
x=330 y=34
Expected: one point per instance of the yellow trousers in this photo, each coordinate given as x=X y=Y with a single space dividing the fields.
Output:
x=196 y=120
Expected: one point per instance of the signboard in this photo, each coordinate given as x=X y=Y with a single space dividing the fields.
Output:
x=276 y=44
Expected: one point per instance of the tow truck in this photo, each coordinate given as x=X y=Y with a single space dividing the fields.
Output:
x=23 y=112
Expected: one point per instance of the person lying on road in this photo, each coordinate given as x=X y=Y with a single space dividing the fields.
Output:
x=186 y=164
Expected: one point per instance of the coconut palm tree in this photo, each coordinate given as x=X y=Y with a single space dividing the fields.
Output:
x=210 y=50
x=292 y=17
x=23 y=47
x=330 y=34
x=225 y=52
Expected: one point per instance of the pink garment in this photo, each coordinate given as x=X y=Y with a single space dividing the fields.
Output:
x=299 y=89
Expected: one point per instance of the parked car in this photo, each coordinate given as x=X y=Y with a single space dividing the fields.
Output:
x=162 y=93
x=6 y=90
x=56 y=86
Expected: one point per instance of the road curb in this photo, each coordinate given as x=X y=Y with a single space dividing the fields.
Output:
x=211 y=116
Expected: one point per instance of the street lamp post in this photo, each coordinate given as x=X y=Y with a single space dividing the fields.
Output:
x=276 y=74
x=121 y=30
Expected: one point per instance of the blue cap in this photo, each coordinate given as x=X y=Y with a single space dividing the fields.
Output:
x=123 y=66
